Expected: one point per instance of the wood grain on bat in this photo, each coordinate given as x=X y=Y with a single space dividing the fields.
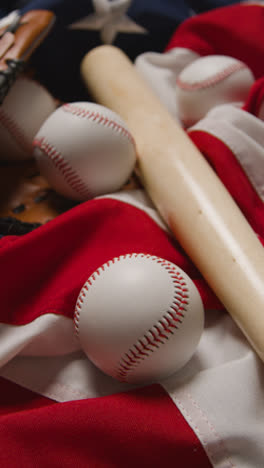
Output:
x=186 y=191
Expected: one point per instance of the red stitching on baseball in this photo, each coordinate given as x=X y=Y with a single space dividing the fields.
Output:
x=70 y=176
x=212 y=81
x=160 y=332
x=11 y=126
x=101 y=119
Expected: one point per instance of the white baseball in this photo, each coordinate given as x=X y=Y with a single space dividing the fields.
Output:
x=139 y=318
x=23 y=111
x=85 y=150
x=210 y=81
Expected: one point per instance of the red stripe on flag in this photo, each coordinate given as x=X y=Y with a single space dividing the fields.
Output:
x=133 y=429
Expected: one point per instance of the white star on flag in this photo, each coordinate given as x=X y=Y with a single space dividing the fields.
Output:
x=110 y=19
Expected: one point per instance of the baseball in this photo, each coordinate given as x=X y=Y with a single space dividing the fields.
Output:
x=210 y=81
x=25 y=108
x=139 y=318
x=85 y=150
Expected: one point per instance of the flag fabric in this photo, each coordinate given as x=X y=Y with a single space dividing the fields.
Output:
x=134 y=26
x=56 y=408
x=231 y=138
x=44 y=272
x=40 y=353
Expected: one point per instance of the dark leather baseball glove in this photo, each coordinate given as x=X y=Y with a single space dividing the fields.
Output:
x=26 y=199
x=18 y=40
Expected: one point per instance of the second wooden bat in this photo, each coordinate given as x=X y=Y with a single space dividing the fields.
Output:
x=186 y=191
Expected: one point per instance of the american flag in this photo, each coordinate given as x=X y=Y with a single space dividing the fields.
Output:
x=56 y=408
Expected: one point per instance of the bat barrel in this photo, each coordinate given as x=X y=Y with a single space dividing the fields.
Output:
x=186 y=191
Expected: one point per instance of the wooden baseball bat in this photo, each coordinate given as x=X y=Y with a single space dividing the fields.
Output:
x=186 y=191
